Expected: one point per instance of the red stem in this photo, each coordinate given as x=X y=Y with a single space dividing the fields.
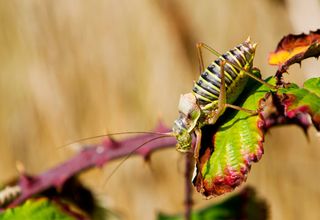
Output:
x=93 y=156
x=188 y=186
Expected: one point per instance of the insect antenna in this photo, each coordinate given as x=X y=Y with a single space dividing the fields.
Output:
x=132 y=152
x=109 y=135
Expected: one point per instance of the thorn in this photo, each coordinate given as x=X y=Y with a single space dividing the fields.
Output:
x=59 y=184
x=20 y=167
x=147 y=158
x=160 y=127
x=306 y=134
x=114 y=141
x=27 y=180
x=110 y=143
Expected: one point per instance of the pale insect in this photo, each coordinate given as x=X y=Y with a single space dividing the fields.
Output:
x=218 y=86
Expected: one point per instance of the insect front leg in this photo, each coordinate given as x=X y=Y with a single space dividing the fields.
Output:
x=198 y=143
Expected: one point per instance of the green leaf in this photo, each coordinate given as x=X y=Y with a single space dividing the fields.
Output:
x=41 y=209
x=244 y=205
x=301 y=104
x=313 y=85
x=229 y=147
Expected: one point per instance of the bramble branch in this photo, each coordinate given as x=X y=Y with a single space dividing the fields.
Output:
x=92 y=156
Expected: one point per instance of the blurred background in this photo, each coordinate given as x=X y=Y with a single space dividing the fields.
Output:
x=72 y=69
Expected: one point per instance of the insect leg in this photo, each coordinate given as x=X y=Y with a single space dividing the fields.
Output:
x=198 y=144
x=222 y=98
x=110 y=135
x=215 y=114
x=200 y=57
x=235 y=66
x=252 y=112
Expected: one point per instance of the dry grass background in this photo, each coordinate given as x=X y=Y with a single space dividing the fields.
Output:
x=72 y=69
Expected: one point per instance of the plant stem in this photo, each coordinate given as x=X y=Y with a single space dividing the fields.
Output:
x=92 y=156
x=188 y=186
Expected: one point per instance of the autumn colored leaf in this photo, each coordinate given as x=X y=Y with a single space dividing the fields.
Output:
x=294 y=105
x=229 y=148
x=295 y=48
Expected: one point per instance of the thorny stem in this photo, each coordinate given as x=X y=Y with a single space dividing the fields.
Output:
x=93 y=156
x=188 y=186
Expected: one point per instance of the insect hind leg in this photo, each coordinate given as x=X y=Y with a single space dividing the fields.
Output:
x=201 y=45
x=222 y=100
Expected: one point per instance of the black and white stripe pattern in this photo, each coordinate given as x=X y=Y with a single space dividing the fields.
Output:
x=207 y=88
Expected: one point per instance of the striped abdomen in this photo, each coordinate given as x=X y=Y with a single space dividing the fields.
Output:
x=207 y=88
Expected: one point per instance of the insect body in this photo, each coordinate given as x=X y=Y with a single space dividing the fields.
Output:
x=218 y=86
